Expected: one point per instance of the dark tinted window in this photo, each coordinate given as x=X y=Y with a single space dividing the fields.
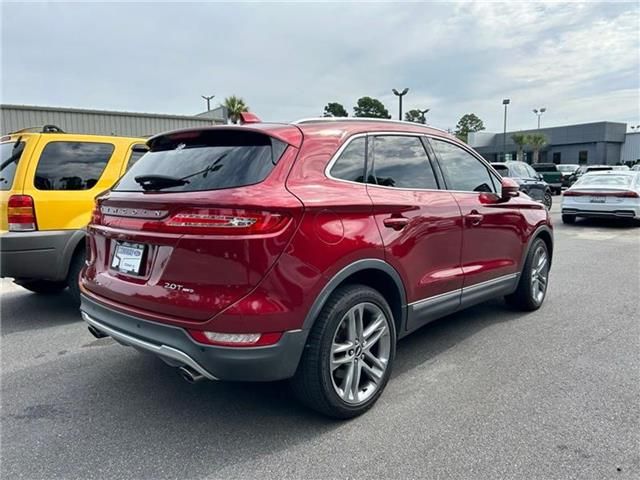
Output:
x=10 y=153
x=401 y=161
x=136 y=154
x=545 y=167
x=502 y=170
x=207 y=160
x=462 y=170
x=71 y=165
x=350 y=164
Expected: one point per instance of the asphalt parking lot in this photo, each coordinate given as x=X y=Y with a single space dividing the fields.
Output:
x=486 y=393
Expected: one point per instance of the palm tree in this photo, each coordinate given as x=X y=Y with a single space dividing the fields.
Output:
x=520 y=139
x=235 y=106
x=537 y=141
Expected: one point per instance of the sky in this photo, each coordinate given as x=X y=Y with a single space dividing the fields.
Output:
x=288 y=60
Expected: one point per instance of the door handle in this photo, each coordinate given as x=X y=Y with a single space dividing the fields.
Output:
x=474 y=218
x=396 y=223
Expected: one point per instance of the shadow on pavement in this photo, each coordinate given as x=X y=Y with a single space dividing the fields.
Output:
x=21 y=310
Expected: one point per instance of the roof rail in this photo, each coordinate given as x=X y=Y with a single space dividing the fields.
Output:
x=362 y=119
x=43 y=129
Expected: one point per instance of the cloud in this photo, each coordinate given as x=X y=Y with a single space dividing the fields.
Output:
x=289 y=60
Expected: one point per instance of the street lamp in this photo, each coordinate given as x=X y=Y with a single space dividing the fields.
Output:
x=539 y=113
x=208 y=99
x=422 y=114
x=505 y=102
x=400 y=95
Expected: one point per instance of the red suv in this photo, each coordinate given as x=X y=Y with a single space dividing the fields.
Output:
x=271 y=251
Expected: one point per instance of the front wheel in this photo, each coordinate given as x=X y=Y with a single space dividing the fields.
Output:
x=349 y=354
x=532 y=285
x=547 y=201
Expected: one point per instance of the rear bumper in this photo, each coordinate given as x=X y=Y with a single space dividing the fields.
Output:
x=175 y=346
x=612 y=213
x=37 y=255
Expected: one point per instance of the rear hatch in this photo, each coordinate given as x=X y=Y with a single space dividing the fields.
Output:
x=196 y=223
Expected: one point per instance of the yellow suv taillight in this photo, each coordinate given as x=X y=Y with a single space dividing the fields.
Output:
x=21 y=215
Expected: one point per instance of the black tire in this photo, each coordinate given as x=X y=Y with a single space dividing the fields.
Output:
x=523 y=298
x=73 y=277
x=568 y=219
x=313 y=383
x=547 y=200
x=43 y=287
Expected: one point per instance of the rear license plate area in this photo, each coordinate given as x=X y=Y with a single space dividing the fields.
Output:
x=597 y=199
x=128 y=258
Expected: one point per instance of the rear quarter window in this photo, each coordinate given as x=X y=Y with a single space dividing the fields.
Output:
x=350 y=164
x=207 y=160
x=72 y=165
x=10 y=154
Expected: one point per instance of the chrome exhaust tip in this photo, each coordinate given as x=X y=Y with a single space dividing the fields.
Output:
x=95 y=332
x=190 y=375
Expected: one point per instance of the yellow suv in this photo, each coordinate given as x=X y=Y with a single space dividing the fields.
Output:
x=48 y=182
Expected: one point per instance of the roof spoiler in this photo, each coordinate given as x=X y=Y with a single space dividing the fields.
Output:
x=248 y=117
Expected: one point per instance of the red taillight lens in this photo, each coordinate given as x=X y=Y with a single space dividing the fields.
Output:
x=629 y=194
x=205 y=221
x=625 y=194
x=21 y=215
x=236 y=339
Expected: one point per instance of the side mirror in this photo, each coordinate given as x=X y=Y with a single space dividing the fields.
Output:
x=510 y=189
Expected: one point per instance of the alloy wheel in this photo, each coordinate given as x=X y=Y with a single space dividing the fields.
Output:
x=539 y=274
x=360 y=353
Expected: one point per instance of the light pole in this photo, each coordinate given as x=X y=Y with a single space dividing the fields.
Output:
x=505 y=102
x=539 y=113
x=208 y=99
x=422 y=114
x=400 y=95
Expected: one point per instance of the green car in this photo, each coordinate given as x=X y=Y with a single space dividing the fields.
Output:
x=550 y=174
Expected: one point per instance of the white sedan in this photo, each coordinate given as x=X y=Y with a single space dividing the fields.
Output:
x=612 y=193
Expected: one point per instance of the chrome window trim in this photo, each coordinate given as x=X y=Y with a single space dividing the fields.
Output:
x=464 y=289
x=336 y=156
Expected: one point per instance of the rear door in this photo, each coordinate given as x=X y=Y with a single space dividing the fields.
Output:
x=420 y=224
x=494 y=232
x=65 y=176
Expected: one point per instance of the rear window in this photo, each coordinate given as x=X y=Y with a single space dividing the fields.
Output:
x=72 y=165
x=207 y=160
x=595 y=180
x=10 y=153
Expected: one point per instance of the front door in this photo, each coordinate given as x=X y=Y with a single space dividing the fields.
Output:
x=420 y=224
x=494 y=232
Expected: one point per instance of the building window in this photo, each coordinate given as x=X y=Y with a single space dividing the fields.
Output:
x=582 y=157
x=557 y=158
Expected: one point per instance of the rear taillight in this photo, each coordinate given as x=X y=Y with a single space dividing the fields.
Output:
x=236 y=339
x=21 y=215
x=205 y=221
x=625 y=194
x=96 y=214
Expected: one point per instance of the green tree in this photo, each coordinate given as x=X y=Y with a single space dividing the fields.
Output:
x=468 y=123
x=335 y=109
x=537 y=141
x=371 y=108
x=416 y=116
x=235 y=106
x=520 y=139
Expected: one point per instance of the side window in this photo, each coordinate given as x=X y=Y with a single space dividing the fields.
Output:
x=350 y=164
x=462 y=171
x=71 y=165
x=137 y=152
x=401 y=161
x=532 y=173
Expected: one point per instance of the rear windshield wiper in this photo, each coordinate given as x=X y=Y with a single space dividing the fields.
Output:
x=158 y=182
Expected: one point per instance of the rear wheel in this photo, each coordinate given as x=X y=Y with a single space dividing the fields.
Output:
x=532 y=286
x=547 y=201
x=73 y=277
x=349 y=354
x=43 y=287
x=568 y=218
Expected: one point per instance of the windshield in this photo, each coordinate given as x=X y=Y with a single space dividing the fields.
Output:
x=613 y=181
x=10 y=153
x=222 y=159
